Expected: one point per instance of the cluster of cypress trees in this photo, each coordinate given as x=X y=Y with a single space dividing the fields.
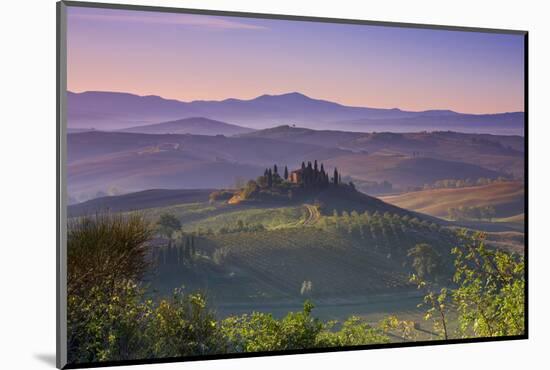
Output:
x=269 y=175
x=183 y=251
x=311 y=175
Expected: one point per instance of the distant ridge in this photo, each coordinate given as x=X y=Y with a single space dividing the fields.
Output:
x=116 y=111
x=192 y=125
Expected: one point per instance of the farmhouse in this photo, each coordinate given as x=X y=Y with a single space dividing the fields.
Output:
x=296 y=176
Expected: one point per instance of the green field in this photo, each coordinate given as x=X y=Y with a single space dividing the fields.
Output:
x=345 y=252
x=270 y=218
x=341 y=255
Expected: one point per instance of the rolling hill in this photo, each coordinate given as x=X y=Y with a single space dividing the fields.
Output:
x=405 y=171
x=139 y=201
x=102 y=162
x=114 y=111
x=495 y=152
x=327 y=138
x=261 y=252
x=506 y=197
x=265 y=250
x=193 y=125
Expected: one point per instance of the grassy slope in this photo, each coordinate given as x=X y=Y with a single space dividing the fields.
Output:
x=506 y=197
x=519 y=218
x=270 y=218
x=340 y=257
x=153 y=198
x=403 y=170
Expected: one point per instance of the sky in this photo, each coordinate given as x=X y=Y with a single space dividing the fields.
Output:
x=198 y=57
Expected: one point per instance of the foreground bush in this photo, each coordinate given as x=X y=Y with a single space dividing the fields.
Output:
x=183 y=326
x=126 y=326
x=262 y=332
x=104 y=249
x=490 y=297
x=109 y=323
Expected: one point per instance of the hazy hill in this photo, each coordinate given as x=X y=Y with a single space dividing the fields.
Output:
x=193 y=125
x=139 y=201
x=112 y=111
x=101 y=163
x=328 y=138
x=258 y=151
x=126 y=162
x=495 y=152
x=506 y=197
x=405 y=171
x=501 y=123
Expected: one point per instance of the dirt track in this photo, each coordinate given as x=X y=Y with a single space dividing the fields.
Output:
x=313 y=215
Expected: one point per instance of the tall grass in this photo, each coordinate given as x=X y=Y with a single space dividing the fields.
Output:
x=106 y=247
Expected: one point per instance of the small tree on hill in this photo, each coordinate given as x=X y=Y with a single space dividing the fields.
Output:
x=168 y=224
x=269 y=178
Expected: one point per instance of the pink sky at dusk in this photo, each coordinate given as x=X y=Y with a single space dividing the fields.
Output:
x=196 y=57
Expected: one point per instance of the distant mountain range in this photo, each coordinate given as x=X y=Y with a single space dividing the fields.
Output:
x=115 y=111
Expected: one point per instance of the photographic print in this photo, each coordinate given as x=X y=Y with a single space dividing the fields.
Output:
x=243 y=185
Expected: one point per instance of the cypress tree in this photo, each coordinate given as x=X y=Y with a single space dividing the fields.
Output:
x=335 y=176
x=315 y=173
x=286 y=173
x=269 y=178
x=275 y=169
x=186 y=249
x=192 y=246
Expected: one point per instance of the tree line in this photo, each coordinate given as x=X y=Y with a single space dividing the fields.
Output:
x=464 y=183
x=464 y=213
